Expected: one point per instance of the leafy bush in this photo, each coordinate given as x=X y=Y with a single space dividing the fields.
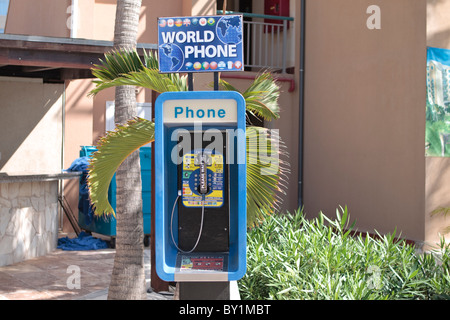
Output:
x=291 y=257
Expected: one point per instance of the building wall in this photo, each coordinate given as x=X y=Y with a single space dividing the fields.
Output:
x=95 y=18
x=26 y=17
x=437 y=169
x=438 y=24
x=30 y=126
x=31 y=130
x=364 y=114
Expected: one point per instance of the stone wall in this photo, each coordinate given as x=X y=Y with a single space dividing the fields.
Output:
x=28 y=220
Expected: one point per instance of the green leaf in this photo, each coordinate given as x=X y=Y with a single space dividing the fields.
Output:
x=112 y=150
x=124 y=67
x=261 y=97
x=267 y=173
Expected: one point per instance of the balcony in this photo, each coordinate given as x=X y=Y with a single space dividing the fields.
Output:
x=269 y=42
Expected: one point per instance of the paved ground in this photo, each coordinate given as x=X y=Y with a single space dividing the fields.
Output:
x=54 y=277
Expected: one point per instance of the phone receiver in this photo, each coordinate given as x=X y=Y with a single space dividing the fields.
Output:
x=202 y=162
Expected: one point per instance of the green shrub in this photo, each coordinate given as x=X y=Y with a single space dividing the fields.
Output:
x=291 y=257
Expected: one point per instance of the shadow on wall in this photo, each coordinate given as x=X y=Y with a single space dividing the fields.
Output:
x=438 y=27
x=30 y=126
x=203 y=8
x=439 y=39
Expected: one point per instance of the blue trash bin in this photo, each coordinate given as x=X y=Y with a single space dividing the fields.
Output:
x=107 y=225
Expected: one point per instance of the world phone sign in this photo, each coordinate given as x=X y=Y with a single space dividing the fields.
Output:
x=200 y=44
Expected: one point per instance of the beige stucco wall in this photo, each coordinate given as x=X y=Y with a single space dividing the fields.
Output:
x=364 y=114
x=437 y=196
x=49 y=18
x=437 y=169
x=438 y=23
x=95 y=17
x=30 y=125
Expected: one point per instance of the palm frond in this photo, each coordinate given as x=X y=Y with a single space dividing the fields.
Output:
x=151 y=60
x=125 y=67
x=267 y=173
x=261 y=97
x=112 y=150
x=116 y=64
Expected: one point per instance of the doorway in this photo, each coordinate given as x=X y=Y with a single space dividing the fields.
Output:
x=236 y=5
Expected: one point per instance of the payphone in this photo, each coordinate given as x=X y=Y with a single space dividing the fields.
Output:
x=200 y=168
x=203 y=200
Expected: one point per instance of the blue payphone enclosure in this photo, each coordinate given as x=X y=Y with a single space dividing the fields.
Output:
x=189 y=111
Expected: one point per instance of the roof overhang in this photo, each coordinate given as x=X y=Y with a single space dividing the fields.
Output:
x=52 y=59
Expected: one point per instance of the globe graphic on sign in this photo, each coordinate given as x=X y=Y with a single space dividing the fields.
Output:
x=170 y=57
x=229 y=30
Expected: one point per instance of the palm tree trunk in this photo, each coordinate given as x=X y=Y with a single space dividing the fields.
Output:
x=128 y=276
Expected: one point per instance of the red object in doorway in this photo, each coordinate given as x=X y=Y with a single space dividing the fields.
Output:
x=278 y=8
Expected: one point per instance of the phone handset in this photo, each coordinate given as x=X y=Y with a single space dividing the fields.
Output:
x=202 y=160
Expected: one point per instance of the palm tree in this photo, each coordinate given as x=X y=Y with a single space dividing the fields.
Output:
x=128 y=276
x=265 y=181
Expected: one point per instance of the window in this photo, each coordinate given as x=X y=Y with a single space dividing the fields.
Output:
x=4 y=4
x=144 y=110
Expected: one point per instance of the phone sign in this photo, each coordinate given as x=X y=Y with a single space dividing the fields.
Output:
x=200 y=44
x=204 y=110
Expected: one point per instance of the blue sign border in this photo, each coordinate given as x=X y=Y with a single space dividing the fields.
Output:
x=198 y=45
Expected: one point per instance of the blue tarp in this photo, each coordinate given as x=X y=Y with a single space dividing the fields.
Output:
x=80 y=164
x=84 y=205
x=83 y=242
